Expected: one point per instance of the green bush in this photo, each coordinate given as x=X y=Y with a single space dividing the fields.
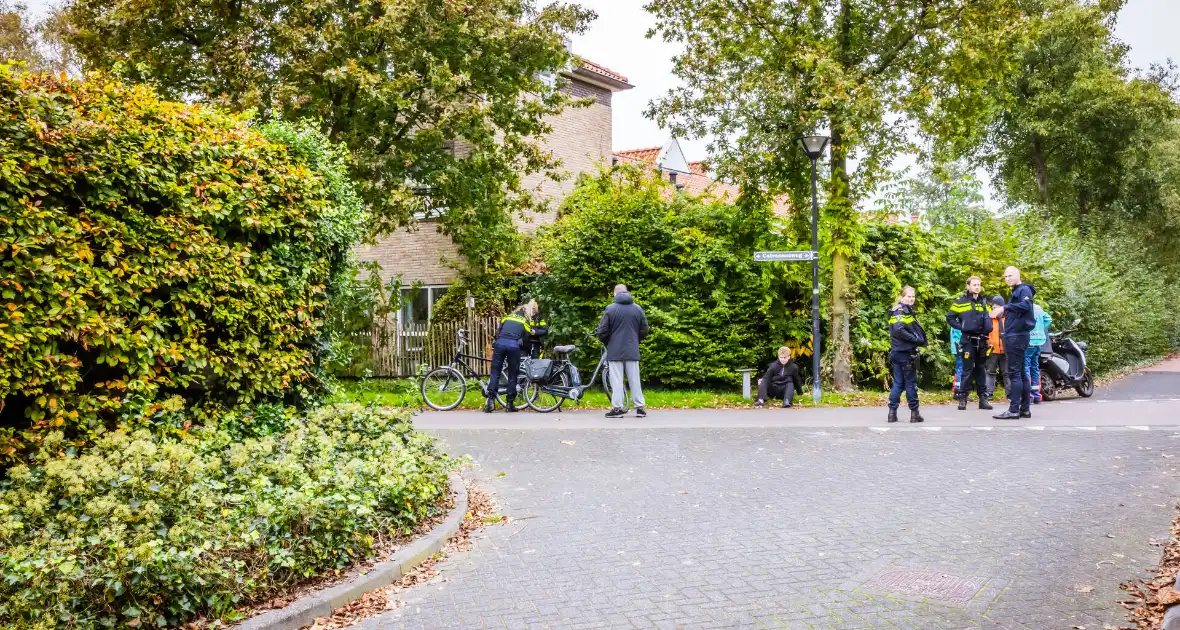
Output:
x=139 y=530
x=152 y=250
x=689 y=262
x=1126 y=305
x=712 y=309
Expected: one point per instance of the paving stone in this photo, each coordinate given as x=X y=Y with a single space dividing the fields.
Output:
x=780 y=527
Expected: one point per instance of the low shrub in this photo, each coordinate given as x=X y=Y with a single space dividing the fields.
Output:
x=143 y=531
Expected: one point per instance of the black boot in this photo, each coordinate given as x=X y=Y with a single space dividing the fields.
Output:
x=915 y=416
x=984 y=404
x=892 y=415
x=962 y=402
x=489 y=406
x=510 y=405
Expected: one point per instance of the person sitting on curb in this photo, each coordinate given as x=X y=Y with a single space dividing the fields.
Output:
x=780 y=379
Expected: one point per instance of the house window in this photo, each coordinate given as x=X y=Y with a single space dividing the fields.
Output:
x=432 y=208
x=419 y=307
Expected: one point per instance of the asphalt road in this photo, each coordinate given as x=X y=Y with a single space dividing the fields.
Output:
x=812 y=518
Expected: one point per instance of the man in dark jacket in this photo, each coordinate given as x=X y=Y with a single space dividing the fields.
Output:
x=969 y=315
x=622 y=327
x=905 y=337
x=780 y=379
x=1018 y=323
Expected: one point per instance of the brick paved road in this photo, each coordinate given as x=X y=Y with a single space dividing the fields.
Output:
x=779 y=527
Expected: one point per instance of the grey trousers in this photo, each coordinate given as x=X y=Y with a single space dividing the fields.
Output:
x=617 y=369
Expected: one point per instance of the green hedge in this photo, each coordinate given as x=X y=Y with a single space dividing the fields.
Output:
x=141 y=531
x=152 y=250
x=713 y=310
x=688 y=262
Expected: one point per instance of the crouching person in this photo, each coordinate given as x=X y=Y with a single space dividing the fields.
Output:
x=905 y=337
x=781 y=380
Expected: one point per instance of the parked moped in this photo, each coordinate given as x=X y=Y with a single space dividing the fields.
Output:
x=1065 y=365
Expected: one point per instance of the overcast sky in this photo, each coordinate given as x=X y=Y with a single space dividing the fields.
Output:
x=616 y=40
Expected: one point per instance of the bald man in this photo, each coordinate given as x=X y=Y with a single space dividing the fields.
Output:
x=1018 y=323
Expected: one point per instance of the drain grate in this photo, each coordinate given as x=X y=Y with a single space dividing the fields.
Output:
x=926 y=583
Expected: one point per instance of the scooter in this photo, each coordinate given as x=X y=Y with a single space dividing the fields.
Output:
x=1065 y=365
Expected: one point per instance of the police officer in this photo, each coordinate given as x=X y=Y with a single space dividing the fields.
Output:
x=971 y=315
x=905 y=337
x=510 y=337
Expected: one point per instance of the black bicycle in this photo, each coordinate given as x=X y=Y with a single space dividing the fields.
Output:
x=444 y=387
x=564 y=383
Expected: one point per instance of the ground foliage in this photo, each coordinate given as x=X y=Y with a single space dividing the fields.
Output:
x=155 y=254
x=141 y=530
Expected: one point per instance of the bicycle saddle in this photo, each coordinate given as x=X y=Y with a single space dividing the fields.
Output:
x=564 y=349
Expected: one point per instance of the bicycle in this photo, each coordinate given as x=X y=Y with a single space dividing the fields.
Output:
x=564 y=383
x=444 y=387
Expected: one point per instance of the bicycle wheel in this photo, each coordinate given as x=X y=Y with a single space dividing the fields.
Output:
x=606 y=388
x=543 y=401
x=443 y=388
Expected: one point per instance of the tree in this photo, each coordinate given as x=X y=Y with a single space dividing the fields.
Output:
x=443 y=97
x=17 y=37
x=40 y=46
x=759 y=73
x=1079 y=125
x=941 y=195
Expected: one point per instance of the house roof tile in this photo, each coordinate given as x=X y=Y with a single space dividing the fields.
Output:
x=603 y=70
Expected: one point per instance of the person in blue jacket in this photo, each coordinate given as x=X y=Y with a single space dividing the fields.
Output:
x=1018 y=324
x=905 y=337
x=1032 y=356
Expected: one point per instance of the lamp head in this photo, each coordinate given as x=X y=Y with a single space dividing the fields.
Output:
x=814 y=146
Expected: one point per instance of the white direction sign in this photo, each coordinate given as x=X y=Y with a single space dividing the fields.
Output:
x=777 y=256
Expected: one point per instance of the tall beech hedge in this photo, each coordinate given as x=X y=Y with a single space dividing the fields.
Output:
x=156 y=254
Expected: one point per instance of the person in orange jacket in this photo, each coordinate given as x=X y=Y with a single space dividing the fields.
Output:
x=995 y=358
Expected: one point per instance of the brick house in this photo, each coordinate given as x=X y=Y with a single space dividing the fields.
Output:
x=581 y=139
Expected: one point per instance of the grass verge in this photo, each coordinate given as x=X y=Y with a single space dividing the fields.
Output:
x=404 y=393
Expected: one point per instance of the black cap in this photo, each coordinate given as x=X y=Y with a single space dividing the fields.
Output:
x=998 y=300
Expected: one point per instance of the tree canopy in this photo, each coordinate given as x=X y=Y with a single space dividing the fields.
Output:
x=757 y=74
x=428 y=95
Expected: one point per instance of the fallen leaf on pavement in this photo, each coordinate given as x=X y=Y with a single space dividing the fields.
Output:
x=1083 y=588
x=568 y=442
x=1167 y=596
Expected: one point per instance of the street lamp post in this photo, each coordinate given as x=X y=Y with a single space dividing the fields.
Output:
x=814 y=147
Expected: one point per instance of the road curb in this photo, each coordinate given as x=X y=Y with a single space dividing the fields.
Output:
x=304 y=611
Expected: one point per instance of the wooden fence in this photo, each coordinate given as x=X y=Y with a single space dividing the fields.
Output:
x=399 y=351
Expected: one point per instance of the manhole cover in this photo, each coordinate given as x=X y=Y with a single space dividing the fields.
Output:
x=928 y=584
